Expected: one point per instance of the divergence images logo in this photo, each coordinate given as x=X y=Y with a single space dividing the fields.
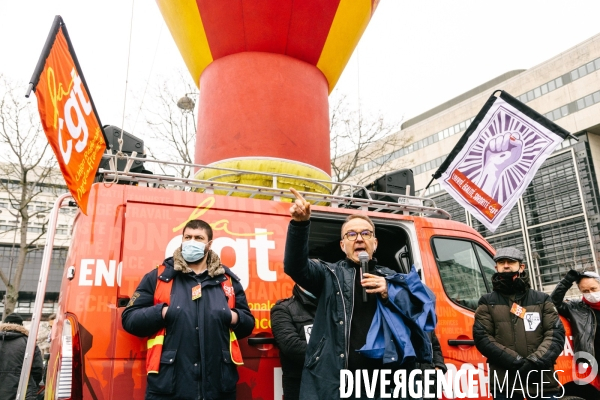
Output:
x=503 y=154
x=585 y=368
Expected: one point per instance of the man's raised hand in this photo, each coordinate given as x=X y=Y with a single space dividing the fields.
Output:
x=300 y=209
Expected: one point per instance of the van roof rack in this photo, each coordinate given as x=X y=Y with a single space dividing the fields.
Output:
x=404 y=204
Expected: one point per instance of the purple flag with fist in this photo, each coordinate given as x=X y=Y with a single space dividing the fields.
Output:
x=496 y=158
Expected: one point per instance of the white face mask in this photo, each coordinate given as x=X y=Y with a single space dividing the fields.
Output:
x=593 y=297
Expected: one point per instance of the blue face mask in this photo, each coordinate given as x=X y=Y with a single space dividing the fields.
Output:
x=192 y=251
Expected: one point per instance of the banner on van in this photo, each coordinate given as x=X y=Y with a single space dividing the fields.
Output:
x=68 y=115
x=497 y=157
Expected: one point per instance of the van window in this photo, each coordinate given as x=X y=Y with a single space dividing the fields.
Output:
x=487 y=263
x=461 y=263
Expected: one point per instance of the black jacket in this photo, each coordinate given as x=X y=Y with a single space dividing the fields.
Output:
x=580 y=315
x=291 y=318
x=195 y=358
x=438 y=357
x=508 y=341
x=333 y=284
x=13 y=343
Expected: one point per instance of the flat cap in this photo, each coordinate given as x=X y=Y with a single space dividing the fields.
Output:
x=510 y=253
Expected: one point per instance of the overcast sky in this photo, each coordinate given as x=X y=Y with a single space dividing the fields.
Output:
x=413 y=56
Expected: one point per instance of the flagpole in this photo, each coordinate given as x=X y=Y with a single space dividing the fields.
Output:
x=35 y=78
x=427 y=187
x=29 y=89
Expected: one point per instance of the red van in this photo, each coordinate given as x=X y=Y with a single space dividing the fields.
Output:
x=130 y=229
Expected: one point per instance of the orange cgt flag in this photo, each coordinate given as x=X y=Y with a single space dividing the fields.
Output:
x=68 y=115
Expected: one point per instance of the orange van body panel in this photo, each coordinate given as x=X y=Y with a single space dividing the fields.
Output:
x=127 y=233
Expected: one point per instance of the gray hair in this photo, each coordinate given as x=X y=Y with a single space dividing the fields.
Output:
x=589 y=274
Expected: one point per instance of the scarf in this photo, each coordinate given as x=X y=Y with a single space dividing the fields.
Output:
x=510 y=282
x=595 y=306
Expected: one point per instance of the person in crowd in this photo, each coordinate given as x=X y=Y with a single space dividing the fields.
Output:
x=13 y=344
x=342 y=319
x=518 y=329
x=437 y=363
x=51 y=319
x=45 y=335
x=193 y=309
x=583 y=315
x=291 y=324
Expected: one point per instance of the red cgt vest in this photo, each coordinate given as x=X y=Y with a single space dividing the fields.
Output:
x=155 y=342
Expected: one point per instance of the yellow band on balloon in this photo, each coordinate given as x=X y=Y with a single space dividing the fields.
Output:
x=270 y=165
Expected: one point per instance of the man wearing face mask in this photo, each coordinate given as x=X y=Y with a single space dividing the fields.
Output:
x=291 y=323
x=583 y=315
x=192 y=309
x=519 y=331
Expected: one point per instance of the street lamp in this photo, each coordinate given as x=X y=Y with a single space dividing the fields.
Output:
x=186 y=103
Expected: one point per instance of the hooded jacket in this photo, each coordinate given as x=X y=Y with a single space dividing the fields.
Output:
x=333 y=284
x=291 y=323
x=13 y=343
x=195 y=361
x=509 y=342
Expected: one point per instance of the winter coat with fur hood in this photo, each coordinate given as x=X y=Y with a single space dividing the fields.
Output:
x=196 y=360
x=13 y=342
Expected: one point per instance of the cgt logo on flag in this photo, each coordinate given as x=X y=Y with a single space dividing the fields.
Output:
x=497 y=157
x=67 y=113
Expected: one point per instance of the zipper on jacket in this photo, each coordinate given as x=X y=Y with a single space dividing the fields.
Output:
x=346 y=336
x=595 y=327
x=351 y=312
x=513 y=317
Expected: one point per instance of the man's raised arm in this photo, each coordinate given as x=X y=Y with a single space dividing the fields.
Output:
x=307 y=273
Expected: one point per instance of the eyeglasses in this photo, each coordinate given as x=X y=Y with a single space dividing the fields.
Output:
x=352 y=236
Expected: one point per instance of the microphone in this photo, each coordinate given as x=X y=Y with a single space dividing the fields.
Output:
x=363 y=258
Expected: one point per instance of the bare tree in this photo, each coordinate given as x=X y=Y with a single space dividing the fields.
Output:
x=27 y=169
x=172 y=129
x=358 y=138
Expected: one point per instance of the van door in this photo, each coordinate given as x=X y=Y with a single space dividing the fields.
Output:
x=459 y=269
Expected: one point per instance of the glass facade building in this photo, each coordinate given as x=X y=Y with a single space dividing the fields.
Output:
x=31 y=274
x=557 y=220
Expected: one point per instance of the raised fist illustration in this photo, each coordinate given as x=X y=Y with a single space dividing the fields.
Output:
x=501 y=152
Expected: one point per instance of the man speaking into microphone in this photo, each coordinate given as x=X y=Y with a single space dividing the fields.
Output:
x=347 y=301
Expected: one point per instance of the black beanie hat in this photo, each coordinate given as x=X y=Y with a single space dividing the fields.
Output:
x=14 y=318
